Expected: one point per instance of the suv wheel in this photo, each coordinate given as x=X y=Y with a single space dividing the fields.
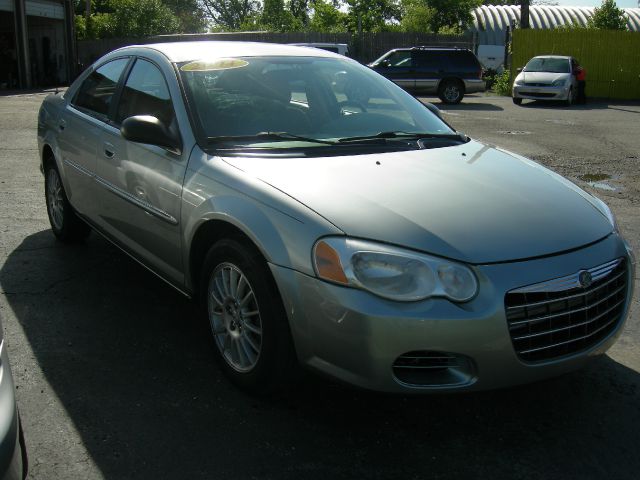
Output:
x=250 y=329
x=517 y=101
x=451 y=92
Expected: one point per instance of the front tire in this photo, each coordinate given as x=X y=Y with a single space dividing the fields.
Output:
x=517 y=101
x=570 y=99
x=65 y=224
x=252 y=341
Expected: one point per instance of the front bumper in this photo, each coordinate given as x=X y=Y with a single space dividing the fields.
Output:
x=541 y=92
x=12 y=466
x=356 y=337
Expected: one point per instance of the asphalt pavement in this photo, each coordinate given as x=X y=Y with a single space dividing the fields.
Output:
x=116 y=379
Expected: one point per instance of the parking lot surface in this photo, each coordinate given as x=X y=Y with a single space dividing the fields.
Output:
x=116 y=379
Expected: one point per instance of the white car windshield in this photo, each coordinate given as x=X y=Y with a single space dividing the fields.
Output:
x=546 y=64
x=313 y=98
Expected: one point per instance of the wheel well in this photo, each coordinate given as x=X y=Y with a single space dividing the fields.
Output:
x=206 y=235
x=47 y=156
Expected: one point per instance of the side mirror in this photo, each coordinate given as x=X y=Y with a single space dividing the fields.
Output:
x=519 y=69
x=148 y=129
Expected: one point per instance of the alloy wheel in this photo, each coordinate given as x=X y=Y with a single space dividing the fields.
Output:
x=235 y=317
x=55 y=198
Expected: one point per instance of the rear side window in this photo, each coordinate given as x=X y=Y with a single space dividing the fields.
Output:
x=97 y=90
x=464 y=62
x=145 y=93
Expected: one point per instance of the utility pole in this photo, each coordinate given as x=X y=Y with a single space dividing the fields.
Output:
x=524 y=13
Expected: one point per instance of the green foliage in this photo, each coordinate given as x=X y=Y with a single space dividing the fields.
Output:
x=437 y=16
x=371 y=15
x=327 y=18
x=232 y=14
x=276 y=18
x=128 y=18
x=416 y=16
x=502 y=83
x=608 y=17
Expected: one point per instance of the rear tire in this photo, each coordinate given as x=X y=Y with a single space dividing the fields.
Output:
x=251 y=336
x=65 y=224
x=451 y=92
x=517 y=101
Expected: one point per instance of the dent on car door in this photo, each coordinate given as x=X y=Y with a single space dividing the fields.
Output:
x=142 y=184
x=79 y=128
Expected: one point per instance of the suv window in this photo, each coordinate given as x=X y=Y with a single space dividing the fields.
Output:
x=463 y=61
x=145 y=93
x=432 y=60
x=97 y=90
x=400 y=58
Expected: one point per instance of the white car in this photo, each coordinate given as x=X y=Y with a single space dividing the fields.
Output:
x=547 y=77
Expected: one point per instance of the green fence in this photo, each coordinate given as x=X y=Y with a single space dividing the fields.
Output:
x=611 y=58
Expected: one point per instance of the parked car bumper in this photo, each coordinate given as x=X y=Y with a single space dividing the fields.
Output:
x=541 y=93
x=474 y=85
x=12 y=465
x=358 y=338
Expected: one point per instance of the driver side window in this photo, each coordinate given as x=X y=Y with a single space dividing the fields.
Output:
x=145 y=93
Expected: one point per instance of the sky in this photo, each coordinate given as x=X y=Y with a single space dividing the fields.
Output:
x=597 y=3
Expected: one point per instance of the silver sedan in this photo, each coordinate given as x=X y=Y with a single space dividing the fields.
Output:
x=323 y=217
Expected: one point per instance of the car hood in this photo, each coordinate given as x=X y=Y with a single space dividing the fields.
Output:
x=542 y=77
x=471 y=202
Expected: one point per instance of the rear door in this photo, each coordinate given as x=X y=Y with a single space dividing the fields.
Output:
x=431 y=66
x=142 y=184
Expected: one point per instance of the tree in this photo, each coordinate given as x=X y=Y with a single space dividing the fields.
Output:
x=327 y=18
x=416 y=16
x=371 y=15
x=278 y=19
x=191 y=17
x=451 y=15
x=230 y=14
x=127 y=18
x=300 y=10
x=608 y=17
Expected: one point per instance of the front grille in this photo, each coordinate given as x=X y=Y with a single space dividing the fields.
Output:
x=539 y=94
x=560 y=317
x=537 y=84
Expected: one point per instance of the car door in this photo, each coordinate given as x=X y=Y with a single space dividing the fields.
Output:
x=398 y=67
x=79 y=130
x=431 y=66
x=142 y=184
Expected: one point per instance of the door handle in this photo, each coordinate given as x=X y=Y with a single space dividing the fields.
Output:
x=109 y=150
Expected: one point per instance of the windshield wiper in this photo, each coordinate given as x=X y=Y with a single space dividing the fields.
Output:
x=267 y=136
x=401 y=134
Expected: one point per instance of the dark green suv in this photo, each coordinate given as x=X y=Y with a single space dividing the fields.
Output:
x=447 y=72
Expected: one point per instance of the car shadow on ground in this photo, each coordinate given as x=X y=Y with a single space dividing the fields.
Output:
x=594 y=104
x=475 y=106
x=134 y=370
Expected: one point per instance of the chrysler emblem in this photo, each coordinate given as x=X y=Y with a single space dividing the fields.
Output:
x=585 y=279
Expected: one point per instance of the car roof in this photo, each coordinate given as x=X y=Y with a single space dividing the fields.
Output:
x=445 y=49
x=185 y=51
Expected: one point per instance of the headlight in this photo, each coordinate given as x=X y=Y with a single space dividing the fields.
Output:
x=559 y=83
x=518 y=81
x=391 y=272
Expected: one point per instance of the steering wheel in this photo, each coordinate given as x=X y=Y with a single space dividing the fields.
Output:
x=351 y=103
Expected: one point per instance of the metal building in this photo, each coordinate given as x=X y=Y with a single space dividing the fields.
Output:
x=491 y=22
x=37 y=43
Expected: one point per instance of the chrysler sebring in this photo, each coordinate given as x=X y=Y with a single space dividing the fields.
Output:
x=324 y=217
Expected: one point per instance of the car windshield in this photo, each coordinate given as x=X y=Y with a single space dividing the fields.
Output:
x=299 y=101
x=546 y=64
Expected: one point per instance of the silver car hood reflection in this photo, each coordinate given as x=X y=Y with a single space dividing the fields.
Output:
x=542 y=77
x=472 y=202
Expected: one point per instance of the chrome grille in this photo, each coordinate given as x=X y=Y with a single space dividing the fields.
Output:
x=560 y=317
